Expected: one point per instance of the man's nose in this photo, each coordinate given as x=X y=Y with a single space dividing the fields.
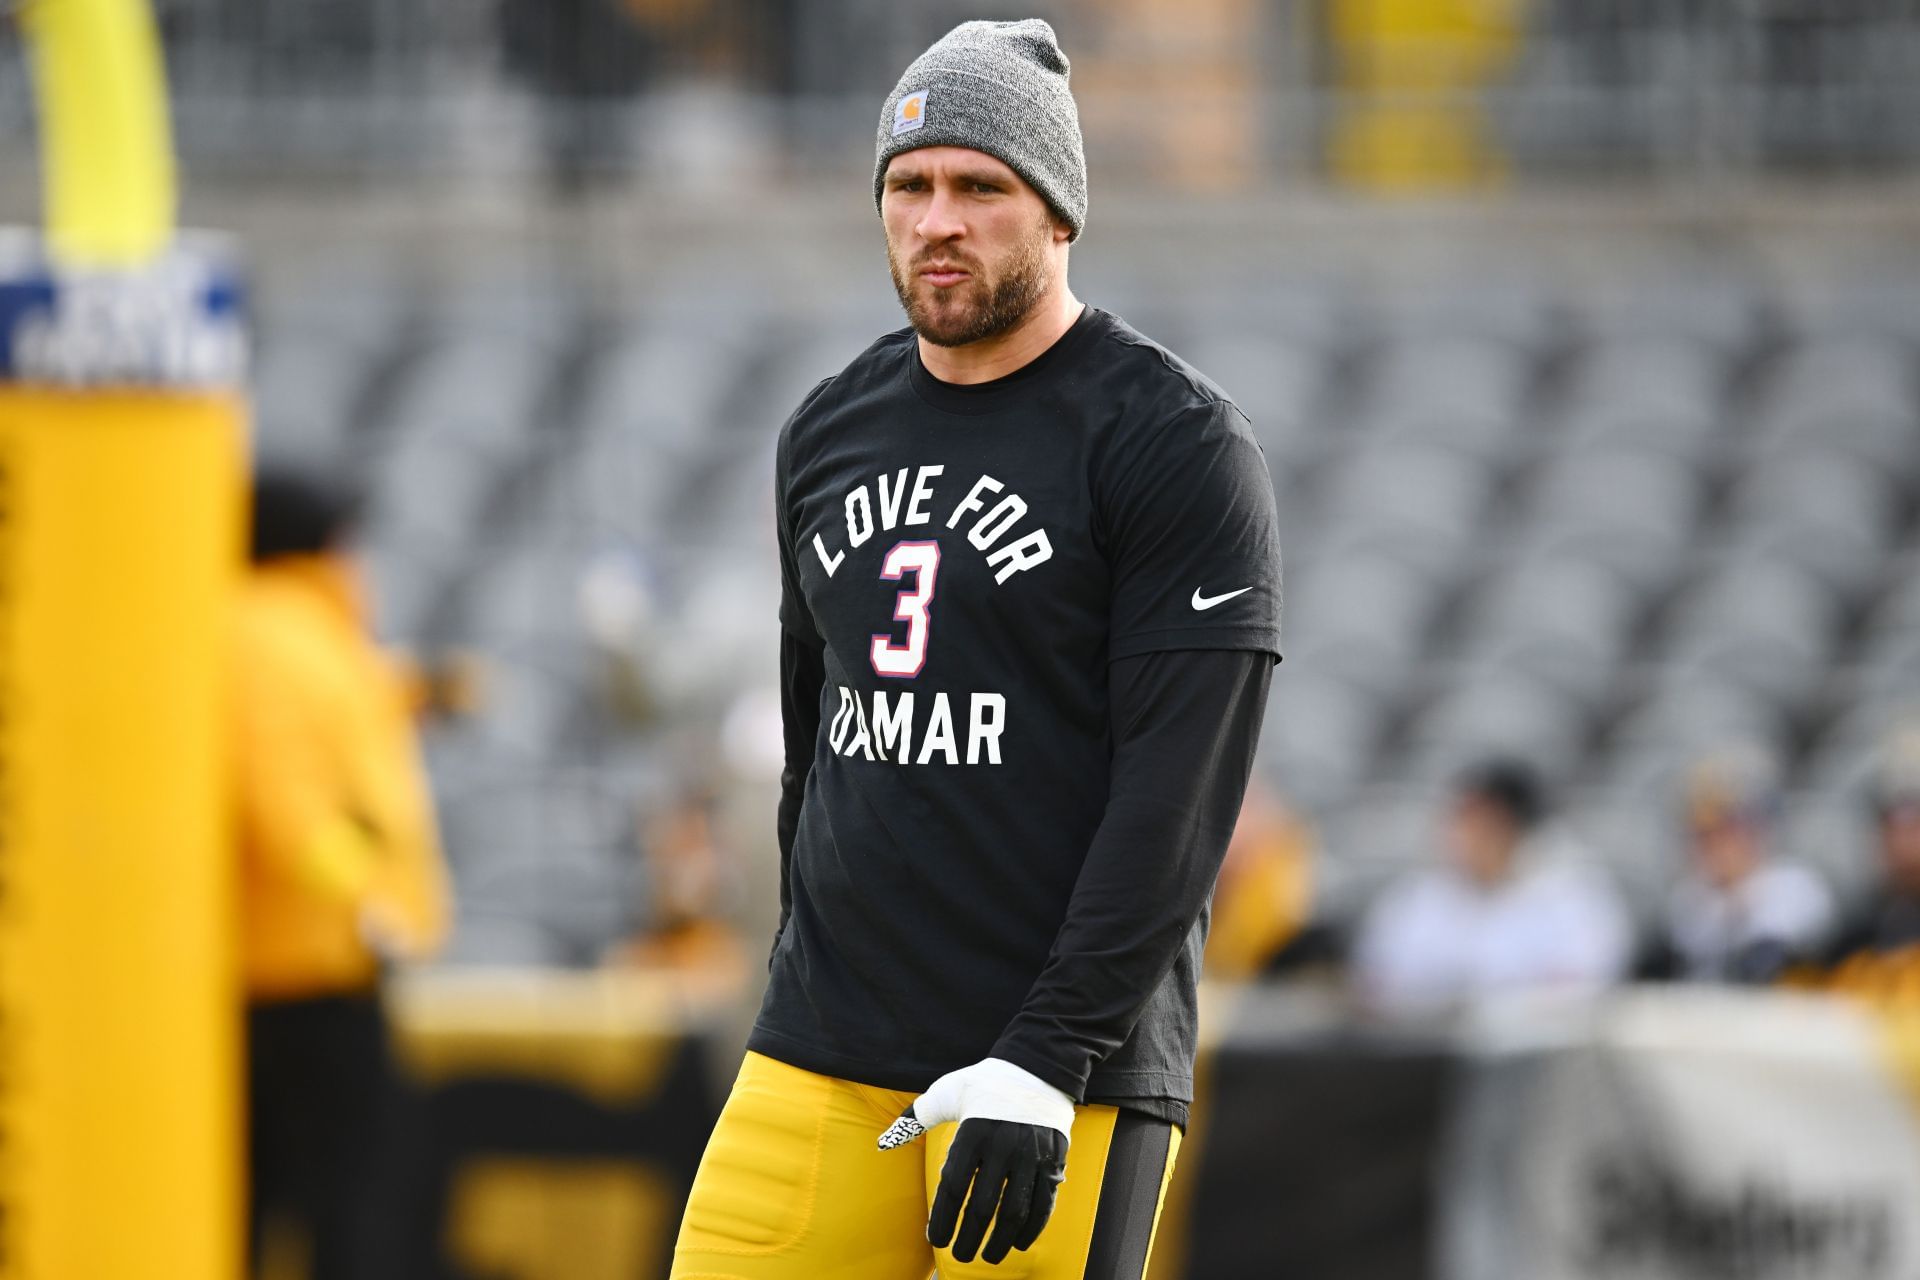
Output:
x=941 y=221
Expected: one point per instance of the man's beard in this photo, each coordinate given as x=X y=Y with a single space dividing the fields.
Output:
x=976 y=310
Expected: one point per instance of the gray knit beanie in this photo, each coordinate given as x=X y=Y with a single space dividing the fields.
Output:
x=997 y=87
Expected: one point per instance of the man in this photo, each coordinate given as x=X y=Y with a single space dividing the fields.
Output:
x=340 y=869
x=1880 y=947
x=1741 y=915
x=1031 y=603
x=1513 y=911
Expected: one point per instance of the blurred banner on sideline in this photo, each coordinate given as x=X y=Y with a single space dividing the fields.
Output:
x=1686 y=1133
x=1659 y=1134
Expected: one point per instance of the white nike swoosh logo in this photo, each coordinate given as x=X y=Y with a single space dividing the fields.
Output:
x=1207 y=602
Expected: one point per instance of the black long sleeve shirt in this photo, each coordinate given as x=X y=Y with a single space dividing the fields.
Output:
x=1029 y=627
x=1186 y=723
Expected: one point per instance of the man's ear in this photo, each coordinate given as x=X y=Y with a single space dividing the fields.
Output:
x=1062 y=229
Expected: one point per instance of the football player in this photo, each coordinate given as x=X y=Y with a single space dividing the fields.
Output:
x=1031 y=603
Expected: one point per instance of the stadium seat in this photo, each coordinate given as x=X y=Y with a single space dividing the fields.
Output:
x=369 y=310
x=569 y=907
x=1365 y=617
x=1482 y=302
x=1380 y=834
x=526 y=594
x=736 y=503
x=1565 y=621
x=479 y=390
x=1828 y=512
x=1888 y=665
x=1636 y=836
x=653 y=382
x=431 y=492
x=1684 y=712
x=1843 y=760
x=1630 y=509
x=1451 y=391
x=1321 y=735
x=1681 y=301
x=1635 y=392
x=405 y=591
x=1897 y=611
x=624 y=483
x=1495 y=713
x=524 y=710
x=1762 y=623
x=1852 y=395
x=1425 y=503
x=307 y=389
x=721 y=628
x=1877 y=298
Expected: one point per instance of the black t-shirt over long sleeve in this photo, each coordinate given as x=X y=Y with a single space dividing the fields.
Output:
x=1028 y=632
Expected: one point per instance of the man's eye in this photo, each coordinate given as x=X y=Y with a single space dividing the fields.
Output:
x=984 y=188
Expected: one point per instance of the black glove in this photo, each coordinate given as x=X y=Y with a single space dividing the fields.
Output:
x=1010 y=1148
x=1015 y=1169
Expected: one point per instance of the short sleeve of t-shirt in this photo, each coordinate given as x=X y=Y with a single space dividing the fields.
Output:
x=1192 y=538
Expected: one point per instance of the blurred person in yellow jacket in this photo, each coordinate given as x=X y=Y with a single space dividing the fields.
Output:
x=341 y=874
x=1264 y=896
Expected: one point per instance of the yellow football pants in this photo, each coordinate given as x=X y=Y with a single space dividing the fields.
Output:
x=792 y=1187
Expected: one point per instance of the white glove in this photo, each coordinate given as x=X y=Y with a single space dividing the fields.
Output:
x=991 y=1089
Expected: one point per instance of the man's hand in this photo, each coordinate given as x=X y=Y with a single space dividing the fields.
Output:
x=1011 y=1149
x=386 y=931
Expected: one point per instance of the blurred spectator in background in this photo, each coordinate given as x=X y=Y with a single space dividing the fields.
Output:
x=1511 y=908
x=617 y=615
x=688 y=933
x=1739 y=914
x=1264 y=895
x=341 y=872
x=1880 y=949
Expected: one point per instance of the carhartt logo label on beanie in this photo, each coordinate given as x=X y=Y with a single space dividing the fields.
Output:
x=910 y=114
x=1003 y=90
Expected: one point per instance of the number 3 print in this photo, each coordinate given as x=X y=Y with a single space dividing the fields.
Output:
x=922 y=560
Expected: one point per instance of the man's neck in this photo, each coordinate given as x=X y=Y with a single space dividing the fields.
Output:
x=1000 y=355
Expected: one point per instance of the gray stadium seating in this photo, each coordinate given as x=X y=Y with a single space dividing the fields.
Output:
x=1365 y=617
x=313 y=384
x=1762 y=623
x=1632 y=509
x=1684 y=711
x=1424 y=504
x=1450 y=391
x=1854 y=396
x=1638 y=392
x=1827 y=512
x=1565 y=621
x=1607 y=529
x=1495 y=713
x=1321 y=733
